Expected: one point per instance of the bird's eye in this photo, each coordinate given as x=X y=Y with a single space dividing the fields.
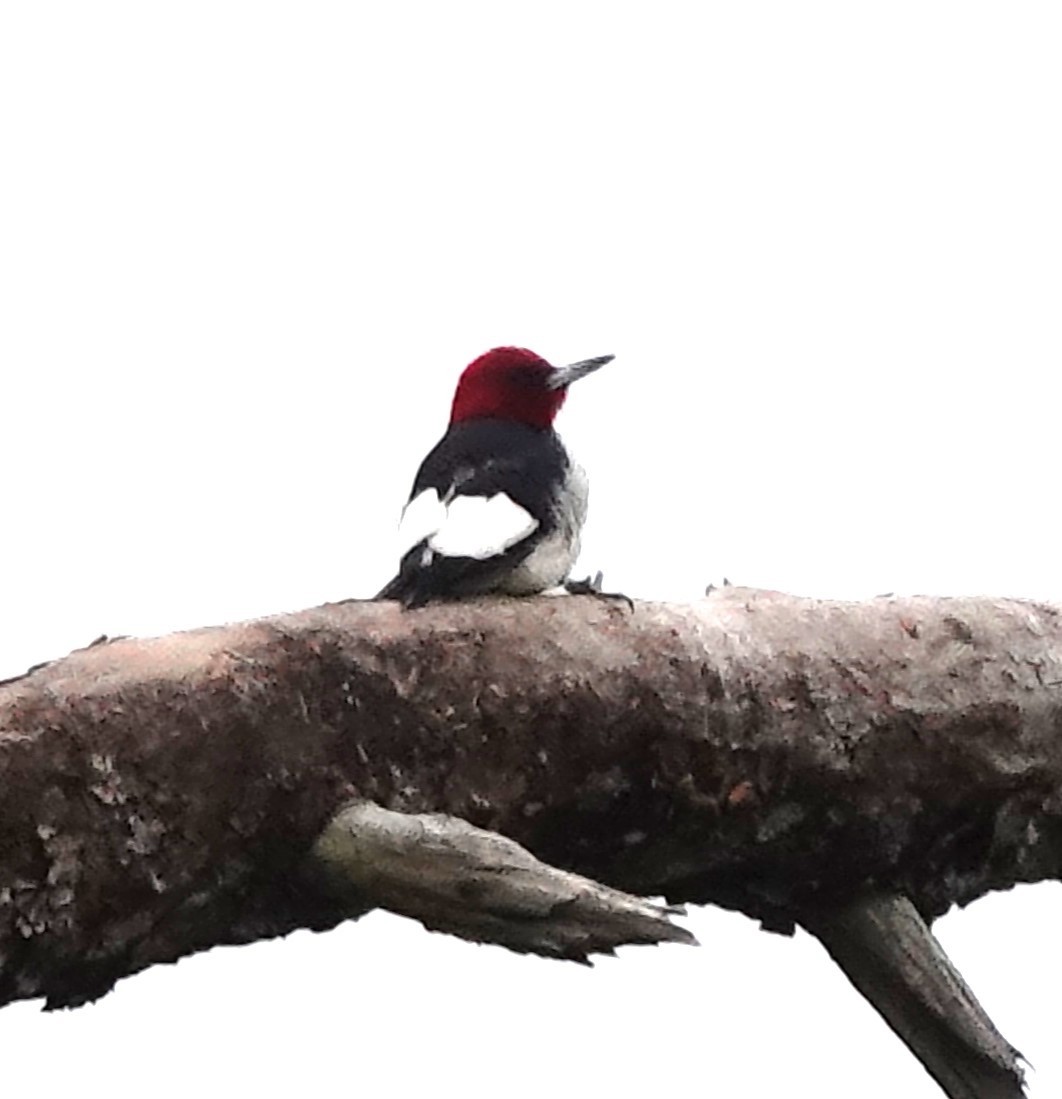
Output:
x=531 y=376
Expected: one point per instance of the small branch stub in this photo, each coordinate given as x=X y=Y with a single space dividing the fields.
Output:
x=480 y=885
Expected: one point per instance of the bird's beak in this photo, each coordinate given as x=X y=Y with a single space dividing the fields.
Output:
x=563 y=376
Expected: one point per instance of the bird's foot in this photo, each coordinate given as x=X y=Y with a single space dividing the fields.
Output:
x=592 y=586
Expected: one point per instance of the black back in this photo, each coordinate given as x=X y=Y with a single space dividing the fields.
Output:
x=482 y=458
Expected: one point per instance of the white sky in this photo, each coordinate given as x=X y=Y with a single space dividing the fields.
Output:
x=245 y=249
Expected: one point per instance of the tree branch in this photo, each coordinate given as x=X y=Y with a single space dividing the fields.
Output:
x=889 y=954
x=480 y=886
x=781 y=756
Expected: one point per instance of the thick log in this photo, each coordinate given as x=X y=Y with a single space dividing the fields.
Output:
x=777 y=755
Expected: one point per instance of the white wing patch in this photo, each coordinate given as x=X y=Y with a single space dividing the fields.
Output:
x=481 y=527
x=421 y=518
x=465 y=526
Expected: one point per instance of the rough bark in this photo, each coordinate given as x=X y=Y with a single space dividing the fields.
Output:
x=776 y=755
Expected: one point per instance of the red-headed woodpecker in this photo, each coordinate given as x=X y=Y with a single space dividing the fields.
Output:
x=498 y=505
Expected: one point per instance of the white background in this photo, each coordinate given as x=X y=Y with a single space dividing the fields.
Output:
x=245 y=250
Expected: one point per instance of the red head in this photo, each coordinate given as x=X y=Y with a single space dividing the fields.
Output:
x=512 y=383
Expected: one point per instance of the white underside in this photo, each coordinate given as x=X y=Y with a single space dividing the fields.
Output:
x=546 y=566
x=551 y=561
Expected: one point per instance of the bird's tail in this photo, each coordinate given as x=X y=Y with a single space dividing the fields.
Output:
x=398 y=588
x=406 y=590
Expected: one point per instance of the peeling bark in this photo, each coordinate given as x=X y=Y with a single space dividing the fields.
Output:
x=776 y=755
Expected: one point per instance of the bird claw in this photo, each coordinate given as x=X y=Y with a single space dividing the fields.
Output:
x=591 y=585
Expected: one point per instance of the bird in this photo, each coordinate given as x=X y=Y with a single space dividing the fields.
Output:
x=498 y=504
